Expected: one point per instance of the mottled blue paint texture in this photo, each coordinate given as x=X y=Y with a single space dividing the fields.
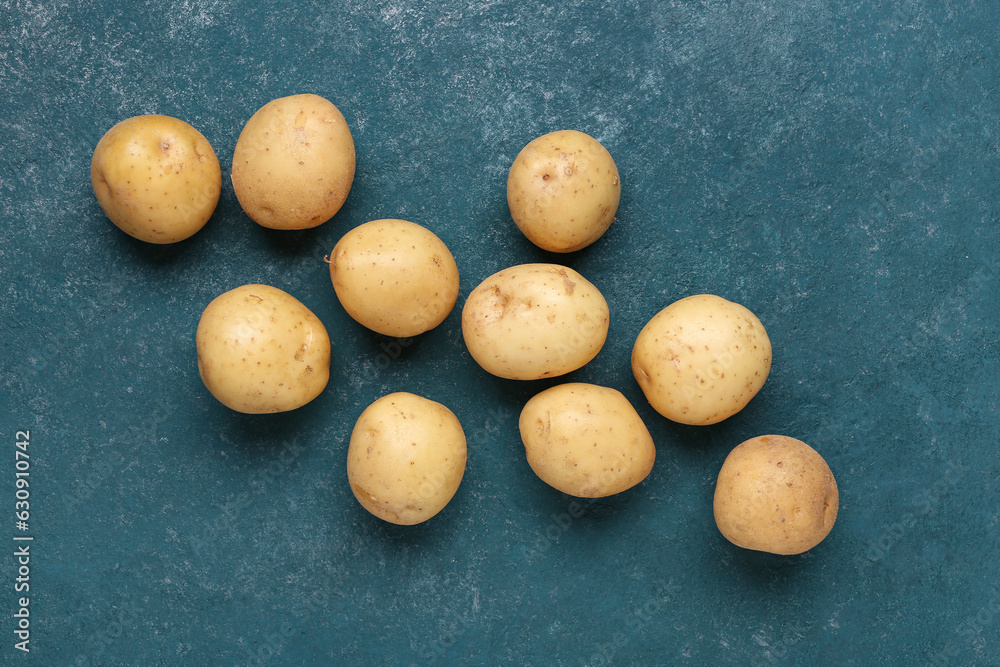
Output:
x=832 y=165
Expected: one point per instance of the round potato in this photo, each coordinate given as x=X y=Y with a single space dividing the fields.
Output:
x=156 y=178
x=533 y=321
x=586 y=440
x=775 y=494
x=701 y=359
x=261 y=350
x=406 y=458
x=563 y=190
x=394 y=277
x=294 y=163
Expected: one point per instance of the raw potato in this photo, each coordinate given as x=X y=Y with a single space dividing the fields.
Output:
x=534 y=321
x=586 y=440
x=261 y=350
x=294 y=163
x=156 y=177
x=406 y=458
x=563 y=190
x=394 y=277
x=701 y=359
x=775 y=494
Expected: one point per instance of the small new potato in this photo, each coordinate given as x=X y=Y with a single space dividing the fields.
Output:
x=533 y=321
x=294 y=163
x=586 y=440
x=701 y=359
x=261 y=350
x=563 y=190
x=394 y=277
x=775 y=494
x=156 y=178
x=406 y=458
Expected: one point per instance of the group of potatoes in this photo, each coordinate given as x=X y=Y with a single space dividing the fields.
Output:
x=260 y=350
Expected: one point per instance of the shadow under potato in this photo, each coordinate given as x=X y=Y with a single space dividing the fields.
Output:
x=385 y=350
x=154 y=256
x=403 y=537
x=259 y=433
x=290 y=242
x=760 y=568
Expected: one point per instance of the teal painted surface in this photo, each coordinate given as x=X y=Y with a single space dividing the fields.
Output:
x=831 y=165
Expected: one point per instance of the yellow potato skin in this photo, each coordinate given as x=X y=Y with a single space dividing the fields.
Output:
x=775 y=494
x=534 y=321
x=294 y=163
x=157 y=178
x=563 y=190
x=586 y=440
x=394 y=277
x=406 y=458
x=701 y=359
x=260 y=350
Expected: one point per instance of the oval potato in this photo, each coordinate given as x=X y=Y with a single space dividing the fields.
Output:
x=775 y=494
x=701 y=359
x=534 y=321
x=586 y=440
x=294 y=163
x=261 y=350
x=394 y=277
x=563 y=190
x=157 y=178
x=406 y=458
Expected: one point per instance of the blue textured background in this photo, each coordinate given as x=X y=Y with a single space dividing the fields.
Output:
x=833 y=165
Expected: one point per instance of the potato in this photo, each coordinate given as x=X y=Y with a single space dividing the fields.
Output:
x=563 y=190
x=534 y=321
x=586 y=440
x=406 y=458
x=394 y=277
x=156 y=177
x=261 y=350
x=294 y=163
x=701 y=359
x=775 y=494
